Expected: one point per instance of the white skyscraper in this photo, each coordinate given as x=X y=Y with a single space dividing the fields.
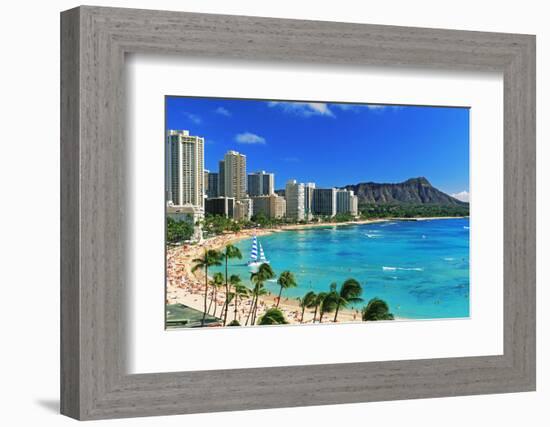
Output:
x=309 y=188
x=234 y=176
x=184 y=169
x=346 y=202
x=295 y=200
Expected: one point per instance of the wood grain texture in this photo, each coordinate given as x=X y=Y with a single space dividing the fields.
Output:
x=95 y=241
x=70 y=291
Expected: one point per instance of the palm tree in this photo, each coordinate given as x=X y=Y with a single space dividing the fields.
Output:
x=377 y=309
x=216 y=282
x=258 y=293
x=265 y=272
x=328 y=304
x=286 y=280
x=211 y=258
x=307 y=301
x=229 y=253
x=240 y=291
x=273 y=316
x=349 y=293
x=230 y=297
x=317 y=302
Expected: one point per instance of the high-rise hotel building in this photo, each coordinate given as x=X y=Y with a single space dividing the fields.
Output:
x=295 y=200
x=261 y=184
x=234 y=175
x=221 y=178
x=346 y=202
x=324 y=201
x=184 y=169
x=271 y=206
x=212 y=187
x=309 y=188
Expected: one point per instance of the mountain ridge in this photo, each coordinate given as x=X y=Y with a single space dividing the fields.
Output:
x=412 y=191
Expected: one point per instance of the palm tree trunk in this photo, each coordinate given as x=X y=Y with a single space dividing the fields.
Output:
x=236 y=306
x=279 y=299
x=303 y=310
x=250 y=311
x=215 y=299
x=210 y=303
x=336 y=313
x=223 y=308
x=226 y=292
x=205 y=293
x=315 y=314
x=321 y=316
x=253 y=321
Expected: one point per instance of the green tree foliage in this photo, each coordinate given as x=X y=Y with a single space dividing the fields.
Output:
x=350 y=293
x=211 y=258
x=230 y=252
x=376 y=309
x=373 y=210
x=286 y=280
x=328 y=301
x=264 y=273
x=178 y=231
x=309 y=300
x=273 y=316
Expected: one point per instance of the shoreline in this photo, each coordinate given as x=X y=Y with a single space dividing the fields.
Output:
x=187 y=287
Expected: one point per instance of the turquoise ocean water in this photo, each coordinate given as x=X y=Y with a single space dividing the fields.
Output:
x=420 y=268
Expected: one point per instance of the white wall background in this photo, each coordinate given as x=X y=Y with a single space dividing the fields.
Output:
x=29 y=237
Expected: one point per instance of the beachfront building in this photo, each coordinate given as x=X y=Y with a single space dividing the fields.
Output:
x=309 y=187
x=206 y=173
x=187 y=213
x=221 y=178
x=261 y=184
x=235 y=175
x=223 y=206
x=243 y=210
x=184 y=169
x=295 y=202
x=324 y=201
x=212 y=184
x=346 y=202
x=271 y=206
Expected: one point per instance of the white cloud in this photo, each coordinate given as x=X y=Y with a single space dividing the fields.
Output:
x=376 y=107
x=249 y=138
x=304 y=109
x=347 y=107
x=193 y=118
x=380 y=108
x=463 y=196
x=356 y=108
x=222 y=111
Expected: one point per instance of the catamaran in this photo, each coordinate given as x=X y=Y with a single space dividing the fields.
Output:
x=255 y=260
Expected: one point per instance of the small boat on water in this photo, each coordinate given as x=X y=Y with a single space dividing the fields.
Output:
x=257 y=256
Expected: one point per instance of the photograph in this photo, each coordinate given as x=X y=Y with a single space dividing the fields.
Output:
x=293 y=212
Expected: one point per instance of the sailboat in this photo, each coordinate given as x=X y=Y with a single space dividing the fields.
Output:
x=255 y=260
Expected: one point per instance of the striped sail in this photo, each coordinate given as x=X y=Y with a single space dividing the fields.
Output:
x=254 y=250
x=262 y=255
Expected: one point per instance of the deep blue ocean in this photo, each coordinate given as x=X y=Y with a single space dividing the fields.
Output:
x=420 y=268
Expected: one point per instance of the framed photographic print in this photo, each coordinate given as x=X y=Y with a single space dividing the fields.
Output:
x=244 y=249
x=314 y=212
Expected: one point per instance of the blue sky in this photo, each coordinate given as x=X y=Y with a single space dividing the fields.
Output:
x=332 y=144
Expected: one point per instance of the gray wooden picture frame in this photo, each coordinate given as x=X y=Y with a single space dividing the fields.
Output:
x=94 y=41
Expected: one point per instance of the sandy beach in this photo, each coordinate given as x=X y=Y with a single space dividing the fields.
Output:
x=186 y=287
